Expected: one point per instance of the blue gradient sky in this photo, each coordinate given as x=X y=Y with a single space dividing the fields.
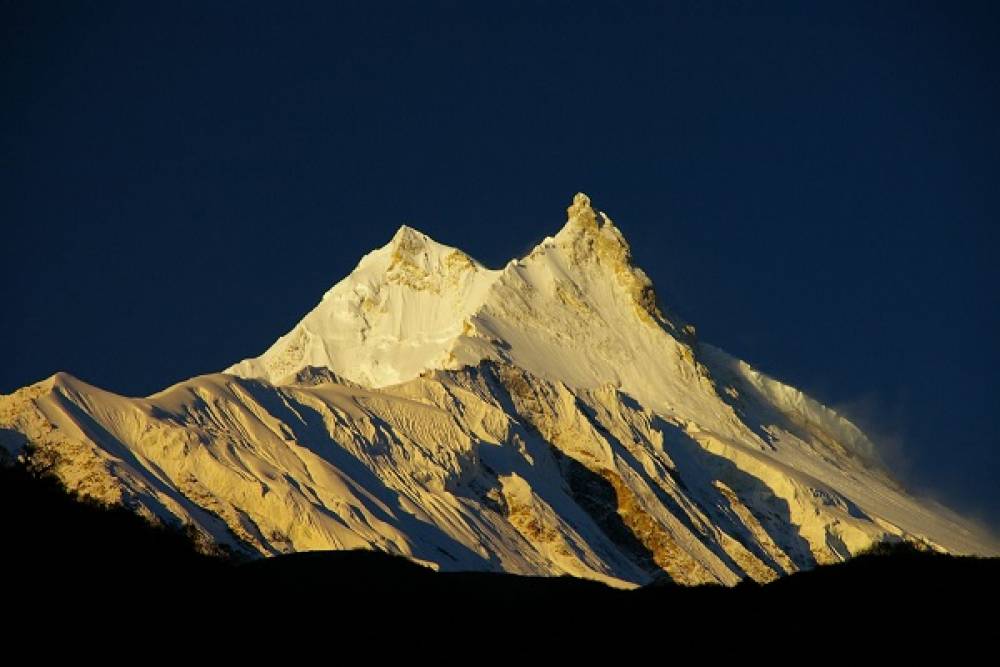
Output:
x=814 y=187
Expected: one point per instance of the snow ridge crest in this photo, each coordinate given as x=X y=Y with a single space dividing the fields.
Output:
x=416 y=305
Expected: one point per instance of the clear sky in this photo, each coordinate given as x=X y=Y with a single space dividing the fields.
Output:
x=814 y=185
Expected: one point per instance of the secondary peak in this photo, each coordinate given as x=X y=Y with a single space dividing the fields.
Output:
x=408 y=236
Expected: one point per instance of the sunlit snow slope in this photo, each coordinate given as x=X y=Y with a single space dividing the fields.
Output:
x=545 y=418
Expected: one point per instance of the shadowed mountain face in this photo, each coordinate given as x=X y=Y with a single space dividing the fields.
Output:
x=550 y=417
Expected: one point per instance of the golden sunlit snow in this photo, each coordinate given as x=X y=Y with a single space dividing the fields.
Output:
x=543 y=418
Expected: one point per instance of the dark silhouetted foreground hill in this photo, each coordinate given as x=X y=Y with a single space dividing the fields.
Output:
x=58 y=548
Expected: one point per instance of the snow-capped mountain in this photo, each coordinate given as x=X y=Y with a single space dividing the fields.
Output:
x=544 y=418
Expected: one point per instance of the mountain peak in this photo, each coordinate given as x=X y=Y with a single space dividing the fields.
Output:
x=416 y=304
x=580 y=214
x=591 y=237
x=409 y=240
x=416 y=259
x=472 y=418
x=582 y=223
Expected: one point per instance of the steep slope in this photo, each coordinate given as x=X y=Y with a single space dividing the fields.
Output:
x=393 y=317
x=546 y=418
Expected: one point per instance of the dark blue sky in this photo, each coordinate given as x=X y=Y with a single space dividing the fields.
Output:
x=814 y=187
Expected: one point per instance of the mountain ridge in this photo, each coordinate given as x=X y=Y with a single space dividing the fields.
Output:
x=543 y=418
x=417 y=265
